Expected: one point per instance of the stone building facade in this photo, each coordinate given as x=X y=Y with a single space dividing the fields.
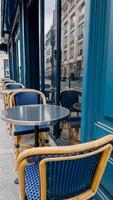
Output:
x=73 y=20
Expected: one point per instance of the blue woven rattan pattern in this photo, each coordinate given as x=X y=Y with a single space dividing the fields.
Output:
x=68 y=98
x=27 y=98
x=13 y=86
x=22 y=130
x=65 y=179
x=32 y=182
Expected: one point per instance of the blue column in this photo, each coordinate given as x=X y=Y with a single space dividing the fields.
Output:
x=22 y=55
x=58 y=50
x=58 y=61
x=41 y=44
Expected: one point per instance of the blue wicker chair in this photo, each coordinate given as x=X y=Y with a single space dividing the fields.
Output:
x=8 y=81
x=58 y=173
x=12 y=86
x=28 y=97
x=68 y=97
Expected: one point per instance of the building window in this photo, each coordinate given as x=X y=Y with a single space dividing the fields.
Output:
x=71 y=3
x=72 y=35
x=65 y=28
x=65 y=10
x=65 y=42
x=65 y=55
x=72 y=21
x=81 y=10
x=80 y=49
x=81 y=31
x=72 y=52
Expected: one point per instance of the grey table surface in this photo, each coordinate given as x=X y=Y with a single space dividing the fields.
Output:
x=34 y=114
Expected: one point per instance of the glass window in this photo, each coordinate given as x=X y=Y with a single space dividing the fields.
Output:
x=50 y=26
x=72 y=31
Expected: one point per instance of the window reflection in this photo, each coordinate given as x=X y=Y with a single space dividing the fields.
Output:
x=72 y=31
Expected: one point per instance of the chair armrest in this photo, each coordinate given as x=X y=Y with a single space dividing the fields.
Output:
x=64 y=149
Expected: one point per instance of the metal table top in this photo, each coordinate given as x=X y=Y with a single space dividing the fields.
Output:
x=34 y=114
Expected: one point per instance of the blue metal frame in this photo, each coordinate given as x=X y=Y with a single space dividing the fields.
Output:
x=93 y=64
x=58 y=50
x=41 y=44
x=32 y=44
x=21 y=21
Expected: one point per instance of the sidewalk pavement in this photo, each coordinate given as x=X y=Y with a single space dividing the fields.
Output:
x=8 y=189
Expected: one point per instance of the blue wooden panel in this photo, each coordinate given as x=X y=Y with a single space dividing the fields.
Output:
x=97 y=108
x=100 y=131
x=108 y=106
x=107 y=181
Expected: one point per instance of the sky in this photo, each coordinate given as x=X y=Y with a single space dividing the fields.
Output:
x=49 y=7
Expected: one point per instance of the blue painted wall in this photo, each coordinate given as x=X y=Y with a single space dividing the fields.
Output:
x=97 y=109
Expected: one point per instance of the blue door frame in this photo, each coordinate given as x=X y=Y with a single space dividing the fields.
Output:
x=97 y=111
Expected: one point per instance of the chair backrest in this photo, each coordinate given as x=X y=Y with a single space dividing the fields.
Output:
x=26 y=97
x=68 y=97
x=5 y=79
x=9 y=81
x=11 y=86
x=75 y=174
x=47 y=86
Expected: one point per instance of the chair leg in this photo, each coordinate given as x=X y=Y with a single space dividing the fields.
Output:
x=40 y=139
x=17 y=145
x=76 y=136
x=71 y=133
x=45 y=139
x=10 y=128
x=74 y=133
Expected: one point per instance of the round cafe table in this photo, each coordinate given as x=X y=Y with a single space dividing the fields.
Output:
x=35 y=115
